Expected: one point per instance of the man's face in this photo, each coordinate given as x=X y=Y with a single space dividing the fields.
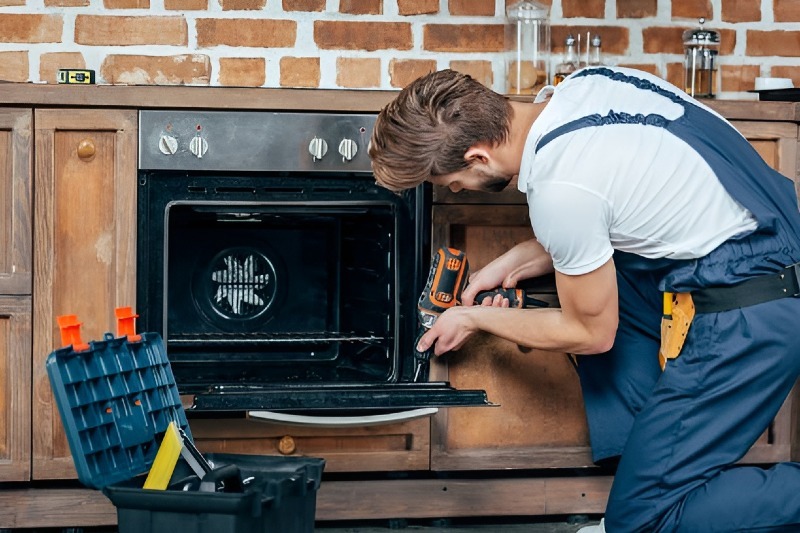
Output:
x=476 y=178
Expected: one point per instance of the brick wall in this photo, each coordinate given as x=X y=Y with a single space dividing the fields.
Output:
x=370 y=43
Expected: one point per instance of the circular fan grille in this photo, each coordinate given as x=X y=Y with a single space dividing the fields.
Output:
x=242 y=283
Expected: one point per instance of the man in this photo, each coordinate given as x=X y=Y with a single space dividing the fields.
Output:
x=646 y=204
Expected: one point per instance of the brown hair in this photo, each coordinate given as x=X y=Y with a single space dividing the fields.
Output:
x=431 y=124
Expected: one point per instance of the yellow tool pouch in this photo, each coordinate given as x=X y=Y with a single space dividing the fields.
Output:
x=678 y=316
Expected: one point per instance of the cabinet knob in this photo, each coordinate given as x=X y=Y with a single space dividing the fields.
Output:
x=86 y=149
x=287 y=445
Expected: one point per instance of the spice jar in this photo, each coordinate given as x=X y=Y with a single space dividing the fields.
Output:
x=701 y=47
x=527 y=47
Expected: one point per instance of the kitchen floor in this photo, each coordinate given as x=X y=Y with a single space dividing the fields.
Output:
x=569 y=524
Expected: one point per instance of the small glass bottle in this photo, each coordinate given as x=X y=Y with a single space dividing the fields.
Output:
x=595 y=57
x=570 y=62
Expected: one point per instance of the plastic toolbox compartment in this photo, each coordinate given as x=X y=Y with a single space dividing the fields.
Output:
x=282 y=498
x=116 y=398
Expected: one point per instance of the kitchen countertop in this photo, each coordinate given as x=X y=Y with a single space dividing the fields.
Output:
x=245 y=98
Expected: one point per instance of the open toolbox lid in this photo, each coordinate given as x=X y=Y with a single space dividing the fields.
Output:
x=116 y=398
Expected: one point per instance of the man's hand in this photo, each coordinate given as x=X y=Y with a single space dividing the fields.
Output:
x=450 y=331
x=525 y=260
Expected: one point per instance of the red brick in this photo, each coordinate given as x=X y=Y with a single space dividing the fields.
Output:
x=659 y=39
x=739 y=78
x=100 y=30
x=187 y=69
x=242 y=71
x=675 y=75
x=242 y=5
x=4 y=3
x=463 y=37
x=355 y=72
x=471 y=7
x=371 y=36
x=65 y=3
x=480 y=70
x=186 y=5
x=256 y=33
x=404 y=71
x=126 y=4
x=23 y=28
x=615 y=39
x=417 y=7
x=593 y=9
x=14 y=66
x=303 y=5
x=786 y=72
x=741 y=11
x=772 y=43
x=636 y=9
x=647 y=67
x=786 y=10
x=361 y=7
x=727 y=41
x=300 y=72
x=49 y=64
x=692 y=9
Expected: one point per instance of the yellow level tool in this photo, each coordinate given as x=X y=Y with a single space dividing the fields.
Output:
x=73 y=75
x=166 y=458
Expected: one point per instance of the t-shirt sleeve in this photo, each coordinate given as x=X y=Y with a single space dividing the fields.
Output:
x=572 y=224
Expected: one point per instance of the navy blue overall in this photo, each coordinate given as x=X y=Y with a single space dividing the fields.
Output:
x=680 y=431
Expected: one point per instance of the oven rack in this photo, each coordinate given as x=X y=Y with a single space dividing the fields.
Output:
x=267 y=339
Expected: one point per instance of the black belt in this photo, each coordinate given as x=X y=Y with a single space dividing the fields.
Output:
x=783 y=284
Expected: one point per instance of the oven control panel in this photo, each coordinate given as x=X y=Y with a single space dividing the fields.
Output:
x=254 y=141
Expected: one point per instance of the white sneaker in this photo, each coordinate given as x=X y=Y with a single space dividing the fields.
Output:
x=599 y=528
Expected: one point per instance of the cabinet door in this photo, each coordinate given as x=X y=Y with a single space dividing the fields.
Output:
x=15 y=201
x=15 y=389
x=540 y=422
x=84 y=244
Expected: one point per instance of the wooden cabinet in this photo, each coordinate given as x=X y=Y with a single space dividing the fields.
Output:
x=540 y=421
x=84 y=247
x=15 y=293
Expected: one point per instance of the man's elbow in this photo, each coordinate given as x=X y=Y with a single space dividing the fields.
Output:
x=597 y=342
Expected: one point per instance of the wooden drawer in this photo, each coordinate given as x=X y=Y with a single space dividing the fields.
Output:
x=397 y=446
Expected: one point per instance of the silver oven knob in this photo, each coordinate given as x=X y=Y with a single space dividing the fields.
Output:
x=348 y=149
x=167 y=144
x=317 y=148
x=198 y=146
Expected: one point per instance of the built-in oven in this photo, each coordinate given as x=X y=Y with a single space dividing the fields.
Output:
x=280 y=276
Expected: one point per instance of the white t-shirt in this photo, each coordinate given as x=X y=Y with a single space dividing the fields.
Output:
x=629 y=187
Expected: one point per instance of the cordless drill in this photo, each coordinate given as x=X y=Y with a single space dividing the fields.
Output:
x=446 y=281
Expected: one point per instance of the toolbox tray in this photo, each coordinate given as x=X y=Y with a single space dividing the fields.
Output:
x=280 y=499
x=116 y=399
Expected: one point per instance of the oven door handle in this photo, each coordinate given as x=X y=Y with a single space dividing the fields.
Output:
x=342 y=421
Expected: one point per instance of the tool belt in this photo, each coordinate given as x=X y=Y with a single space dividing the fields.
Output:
x=783 y=284
x=680 y=308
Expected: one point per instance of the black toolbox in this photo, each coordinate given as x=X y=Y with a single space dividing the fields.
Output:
x=116 y=398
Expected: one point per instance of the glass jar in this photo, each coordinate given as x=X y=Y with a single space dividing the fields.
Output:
x=527 y=47
x=701 y=47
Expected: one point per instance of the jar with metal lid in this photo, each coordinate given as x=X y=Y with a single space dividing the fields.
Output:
x=527 y=47
x=701 y=48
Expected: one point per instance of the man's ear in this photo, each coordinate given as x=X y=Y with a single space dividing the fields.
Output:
x=478 y=153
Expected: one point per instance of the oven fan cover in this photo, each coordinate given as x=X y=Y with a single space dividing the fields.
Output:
x=238 y=284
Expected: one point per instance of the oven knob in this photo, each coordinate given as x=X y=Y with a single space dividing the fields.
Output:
x=348 y=149
x=318 y=148
x=198 y=146
x=168 y=144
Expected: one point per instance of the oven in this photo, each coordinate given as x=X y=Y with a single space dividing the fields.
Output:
x=280 y=276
